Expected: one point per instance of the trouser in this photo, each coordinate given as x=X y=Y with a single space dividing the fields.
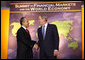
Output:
x=44 y=55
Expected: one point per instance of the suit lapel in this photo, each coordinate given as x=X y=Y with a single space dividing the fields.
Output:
x=25 y=32
x=47 y=31
x=41 y=32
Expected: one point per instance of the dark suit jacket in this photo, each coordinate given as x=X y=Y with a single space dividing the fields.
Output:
x=51 y=41
x=24 y=44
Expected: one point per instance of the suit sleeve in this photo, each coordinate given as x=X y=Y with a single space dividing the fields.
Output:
x=23 y=39
x=38 y=38
x=56 y=37
x=32 y=43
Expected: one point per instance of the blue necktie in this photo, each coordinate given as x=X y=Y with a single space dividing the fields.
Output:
x=43 y=32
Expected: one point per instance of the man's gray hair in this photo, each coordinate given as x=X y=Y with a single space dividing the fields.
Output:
x=43 y=17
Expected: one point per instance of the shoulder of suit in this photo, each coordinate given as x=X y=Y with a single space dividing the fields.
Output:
x=39 y=28
x=20 y=29
x=52 y=25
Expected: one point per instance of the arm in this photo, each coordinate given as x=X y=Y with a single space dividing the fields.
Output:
x=56 y=40
x=37 y=44
x=33 y=43
x=56 y=37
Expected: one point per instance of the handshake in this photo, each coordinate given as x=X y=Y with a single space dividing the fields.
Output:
x=36 y=46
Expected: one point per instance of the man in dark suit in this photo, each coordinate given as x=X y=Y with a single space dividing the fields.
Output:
x=24 y=42
x=48 y=39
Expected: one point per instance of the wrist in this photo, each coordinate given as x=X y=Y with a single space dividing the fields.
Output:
x=55 y=50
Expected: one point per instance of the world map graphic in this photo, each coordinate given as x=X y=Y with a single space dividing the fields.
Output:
x=64 y=27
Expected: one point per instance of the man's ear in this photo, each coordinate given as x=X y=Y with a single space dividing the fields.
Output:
x=22 y=22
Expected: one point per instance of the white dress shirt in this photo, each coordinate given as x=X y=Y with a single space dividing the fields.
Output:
x=24 y=27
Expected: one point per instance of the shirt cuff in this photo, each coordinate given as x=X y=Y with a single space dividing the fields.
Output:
x=56 y=50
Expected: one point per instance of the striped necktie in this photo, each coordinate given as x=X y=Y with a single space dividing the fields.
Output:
x=27 y=31
x=43 y=32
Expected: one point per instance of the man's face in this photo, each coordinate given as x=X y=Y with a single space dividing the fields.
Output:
x=41 y=21
x=26 y=22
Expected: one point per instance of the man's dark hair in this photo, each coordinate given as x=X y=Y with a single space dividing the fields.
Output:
x=21 y=20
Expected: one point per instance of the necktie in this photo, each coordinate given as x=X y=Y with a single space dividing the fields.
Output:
x=27 y=31
x=43 y=32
